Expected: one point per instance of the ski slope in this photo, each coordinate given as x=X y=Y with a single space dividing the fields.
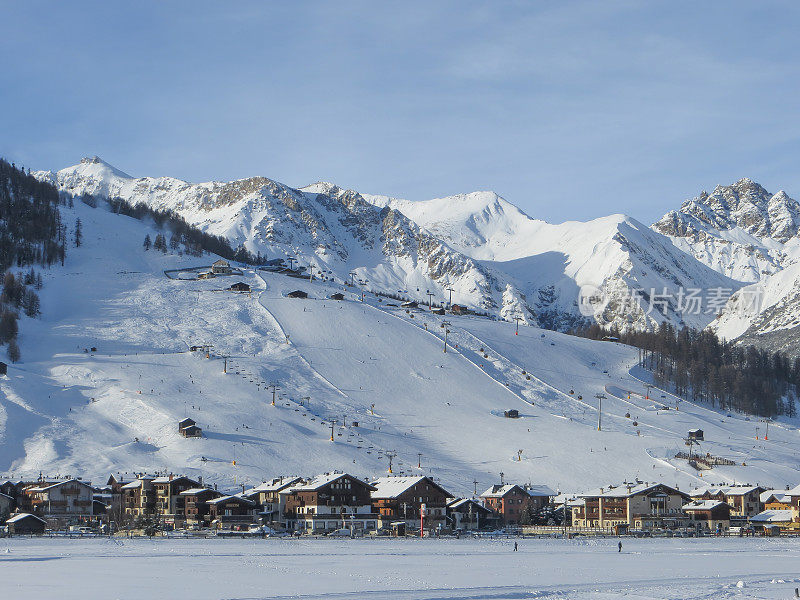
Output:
x=65 y=411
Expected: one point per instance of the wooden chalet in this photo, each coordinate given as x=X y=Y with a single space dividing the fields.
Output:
x=402 y=498
x=329 y=502
x=710 y=516
x=195 y=504
x=221 y=267
x=226 y=511
x=468 y=515
x=297 y=294
x=25 y=524
x=63 y=500
x=337 y=296
x=239 y=286
x=188 y=428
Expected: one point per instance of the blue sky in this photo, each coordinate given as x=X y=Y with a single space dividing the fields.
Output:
x=571 y=110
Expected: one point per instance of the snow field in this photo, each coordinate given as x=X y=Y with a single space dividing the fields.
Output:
x=405 y=569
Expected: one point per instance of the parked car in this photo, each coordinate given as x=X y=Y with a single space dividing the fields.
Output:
x=339 y=533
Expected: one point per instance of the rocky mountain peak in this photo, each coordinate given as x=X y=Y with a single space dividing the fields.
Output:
x=744 y=204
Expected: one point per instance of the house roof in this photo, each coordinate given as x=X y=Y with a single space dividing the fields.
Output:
x=460 y=503
x=198 y=490
x=772 y=516
x=779 y=495
x=21 y=516
x=324 y=479
x=60 y=483
x=168 y=479
x=391 y=487
x=539 y=490
x=731 y=490
x=499 y=491
x=274 y=485
x=626 y=491
x=795 y=491
x=703 y=505
x=6 y=496
x=228 y=499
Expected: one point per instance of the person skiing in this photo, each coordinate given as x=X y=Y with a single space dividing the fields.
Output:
x=515 y=546
x=619 y=547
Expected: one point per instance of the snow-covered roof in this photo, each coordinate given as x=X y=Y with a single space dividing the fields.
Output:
x=195 y=491
x=626 y=491
x=221 y=263
x=391 y=487
x=60 y=483
x=274 y=485
x=228 y=499
x=168 y=478
x=132 y=485
x=460 y=503
x=498 y=491
x=780 y=495
x=772 y=516
x=323 y=480
x=539 y=490
x=702 y=505
x=731 y=490
x=20 y=516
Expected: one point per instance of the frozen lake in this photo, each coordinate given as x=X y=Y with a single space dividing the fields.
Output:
x=399 y=569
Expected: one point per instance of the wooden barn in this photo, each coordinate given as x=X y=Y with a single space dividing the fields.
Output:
x=337 y=296
x=192 y=431
x=239 y=286
x=297 y=294
x=25 y=524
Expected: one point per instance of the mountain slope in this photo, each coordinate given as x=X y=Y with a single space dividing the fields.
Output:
x=335 y=232
x=69 y=411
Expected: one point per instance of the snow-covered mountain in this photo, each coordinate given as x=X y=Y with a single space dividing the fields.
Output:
x=495 y=258
x=107 y=373
x=752 y=236
x=334 y=231
x=555 y=265
x=740 y=230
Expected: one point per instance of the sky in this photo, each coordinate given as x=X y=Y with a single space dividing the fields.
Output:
x=570 y=110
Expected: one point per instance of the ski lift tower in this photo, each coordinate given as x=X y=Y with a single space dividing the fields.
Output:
x=600 y=398
x=691 y=441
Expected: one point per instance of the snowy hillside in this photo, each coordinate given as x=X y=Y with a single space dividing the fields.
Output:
x=332 y=231
x=70 y=410
x=495 y=258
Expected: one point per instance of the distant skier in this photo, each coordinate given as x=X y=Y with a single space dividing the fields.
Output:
x=515 y=546
x=619 y=547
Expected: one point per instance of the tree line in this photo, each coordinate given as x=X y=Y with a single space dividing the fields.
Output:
x=697 y=365
x=31 y=233
x=193 y=240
